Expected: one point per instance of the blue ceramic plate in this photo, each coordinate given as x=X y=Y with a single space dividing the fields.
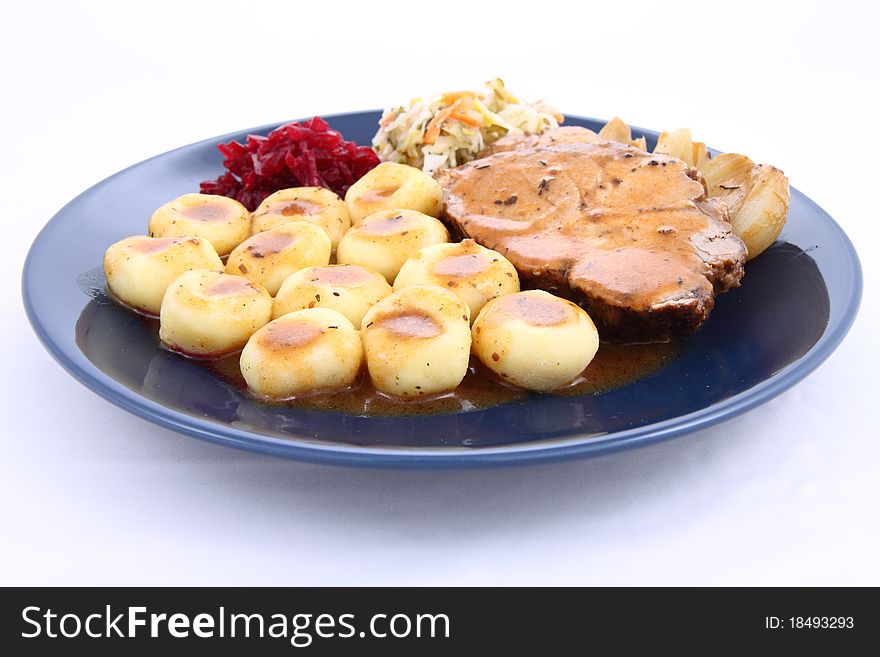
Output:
x=797 y=301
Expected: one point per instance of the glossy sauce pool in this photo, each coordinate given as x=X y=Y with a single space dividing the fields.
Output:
x=615 y=365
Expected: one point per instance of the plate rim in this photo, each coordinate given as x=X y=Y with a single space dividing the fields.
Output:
x=570 y=446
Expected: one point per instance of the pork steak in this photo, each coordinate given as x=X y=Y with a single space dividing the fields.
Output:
x=630 y=236
x=567 y=134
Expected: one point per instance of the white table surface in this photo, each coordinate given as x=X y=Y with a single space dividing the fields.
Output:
x=786 y=494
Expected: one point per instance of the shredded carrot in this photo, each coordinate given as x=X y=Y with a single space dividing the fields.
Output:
x=385 y=120
x=465 y=118
x=452 y=96
x=467 y=103
x=433 y=129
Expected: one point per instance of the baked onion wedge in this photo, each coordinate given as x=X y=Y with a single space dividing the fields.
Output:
x=757 y=198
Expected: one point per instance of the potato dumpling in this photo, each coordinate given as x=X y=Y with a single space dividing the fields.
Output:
x=315 y=205
x=474 y=273
x=391 y=185
x=534 y=340
x=269 y=257
x=301 y=352
x=349 y=289
x=207 y=313
x=417 y=341
x=139 y=269
x=222 y=221
x=385 y=240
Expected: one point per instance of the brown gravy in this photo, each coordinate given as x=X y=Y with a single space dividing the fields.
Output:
x=535 y=310
x=205 y=212
x=377 y=195
x=461 y=265
x=410 y=325
x=297 y=209
x=269 y=243
x=630 y=235
x=615 y=365
x=227 y=285
x=384 y=225
x=286 y=334
x=340 y=275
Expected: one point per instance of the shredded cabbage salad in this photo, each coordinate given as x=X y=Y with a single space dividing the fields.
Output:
x=450 y=129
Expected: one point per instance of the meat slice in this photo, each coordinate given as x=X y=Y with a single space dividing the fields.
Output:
x=569 y=134
x=630 y=236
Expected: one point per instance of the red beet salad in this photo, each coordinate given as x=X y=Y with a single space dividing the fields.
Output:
x=309 y=154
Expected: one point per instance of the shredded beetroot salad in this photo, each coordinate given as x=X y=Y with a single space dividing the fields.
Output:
x=294 y=155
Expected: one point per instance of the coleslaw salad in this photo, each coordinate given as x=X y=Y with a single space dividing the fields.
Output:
x=452 y=128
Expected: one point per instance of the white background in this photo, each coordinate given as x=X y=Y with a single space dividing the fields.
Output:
x=786 y=494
